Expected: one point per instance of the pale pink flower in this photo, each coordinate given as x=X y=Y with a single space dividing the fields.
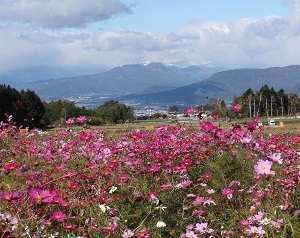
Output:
x=81 y=119
x=263 y=167
x=255 y=230
x=201 y=227
x=190 y=234
x=70 y=121
x=127 y=234
x=276 y=157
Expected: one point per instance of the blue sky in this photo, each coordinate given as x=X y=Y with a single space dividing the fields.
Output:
x=163 y=16
x=215 y=33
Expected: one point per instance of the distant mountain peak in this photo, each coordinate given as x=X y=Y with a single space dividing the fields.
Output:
x=146 y=62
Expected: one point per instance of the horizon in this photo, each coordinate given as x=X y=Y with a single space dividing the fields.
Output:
x=232 y=35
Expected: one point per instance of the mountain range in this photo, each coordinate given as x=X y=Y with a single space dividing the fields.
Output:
x=158 y=84
x=226 y=85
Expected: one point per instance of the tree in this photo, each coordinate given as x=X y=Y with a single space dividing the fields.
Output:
x=114 y=112
x=283 y=102
x=268 y=102
x=11 y=104
x=173 y=109
x=58 y=111
x=34 y=107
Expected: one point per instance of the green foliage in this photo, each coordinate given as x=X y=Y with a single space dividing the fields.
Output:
x=34 y=107
x=268 y=102
x=173 y=109
x=61 y=110
x=114 y=112
x=26 y=107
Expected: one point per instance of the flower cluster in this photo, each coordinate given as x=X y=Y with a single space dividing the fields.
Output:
x=169 y=182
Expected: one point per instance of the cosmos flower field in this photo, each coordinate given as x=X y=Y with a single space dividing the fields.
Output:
x=173 y=181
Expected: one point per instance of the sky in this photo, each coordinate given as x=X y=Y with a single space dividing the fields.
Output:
x=216 y=33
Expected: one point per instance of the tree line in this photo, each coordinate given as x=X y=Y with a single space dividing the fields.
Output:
x=268 y=102
x=265 y=102
x=28 y=110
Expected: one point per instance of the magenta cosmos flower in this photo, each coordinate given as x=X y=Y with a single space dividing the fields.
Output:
x=228 y=192
x=236 y=107
x=58 y=216
x=40 y=195
x=190 y=111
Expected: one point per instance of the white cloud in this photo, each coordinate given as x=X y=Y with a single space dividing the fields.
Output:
x=60 y=13
x=271 y=41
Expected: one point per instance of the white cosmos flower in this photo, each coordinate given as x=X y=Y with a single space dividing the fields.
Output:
x=160 y=224
x=104 y=208
x=112 y=189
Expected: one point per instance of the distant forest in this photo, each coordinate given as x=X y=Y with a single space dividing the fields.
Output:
x=28 y=110
x=268 y=103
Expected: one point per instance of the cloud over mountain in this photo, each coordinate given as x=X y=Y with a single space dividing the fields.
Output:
x=60 y=13
x=37 y=32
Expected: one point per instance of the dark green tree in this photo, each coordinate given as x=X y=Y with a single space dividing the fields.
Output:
x=173 y=109
x=61 y=110
x=11 y=104
x=114 y=112
x=283 y=102
x=33 y=107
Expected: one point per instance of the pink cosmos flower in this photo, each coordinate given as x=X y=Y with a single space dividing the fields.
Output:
x=215 y=116
x=206 y=176
x=70 y=121
x=228 y=192
x=165 y=186
x=205 y=139
x=255 y=230
x=10 y=197
x=207 y=126
x=198 y=201
x=263 y=167
x=69 y=227
x=190 y=234
x=236 y=107
x=201 y=227
x=144 y=233
x=189 y=111
x=10 y=118
x=81 y=119
x=244 y=222
x=11 y=166
x=256 y=120
x=86 y=137
x=106 y=152
x=127 y=234
x=40 y=195
x=152 y=195
x=276 y=157
x=58 y=216
x=109 y=228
